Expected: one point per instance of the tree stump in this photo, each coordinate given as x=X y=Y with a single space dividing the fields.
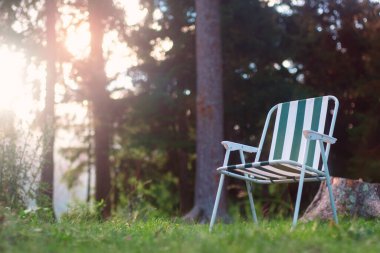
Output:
x=353 y=198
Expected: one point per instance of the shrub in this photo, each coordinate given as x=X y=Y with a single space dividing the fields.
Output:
x=20 y=161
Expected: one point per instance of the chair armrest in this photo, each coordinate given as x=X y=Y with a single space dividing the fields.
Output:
x=232 y=146
x=314 y=136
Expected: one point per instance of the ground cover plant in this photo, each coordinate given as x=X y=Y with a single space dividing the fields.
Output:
x=31 y=234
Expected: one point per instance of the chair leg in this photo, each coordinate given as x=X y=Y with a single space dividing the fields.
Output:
x=216 y=204
x=252 y=204
x=299 y=194
x=331 y=198
x=249 y=190
x=300 y=186
x=328 y=183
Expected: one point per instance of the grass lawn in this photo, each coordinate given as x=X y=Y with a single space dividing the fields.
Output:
x=19 y=235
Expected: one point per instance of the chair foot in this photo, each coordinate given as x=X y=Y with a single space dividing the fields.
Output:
x=251 y=202
x=332 y=202
x=216 y=204
x=298 y=201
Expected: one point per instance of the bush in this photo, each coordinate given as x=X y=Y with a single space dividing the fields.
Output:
x=20 y=162
x=147 y=199
x=83 y=212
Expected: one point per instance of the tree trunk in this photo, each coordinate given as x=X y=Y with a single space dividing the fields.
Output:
x=178 y=163
x=185 y=190
x=186 y=186
x=209 y=123
x=47 y=173
x=101 y=106
x=353 y=198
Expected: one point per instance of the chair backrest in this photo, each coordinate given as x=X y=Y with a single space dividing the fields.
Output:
x=291 y=119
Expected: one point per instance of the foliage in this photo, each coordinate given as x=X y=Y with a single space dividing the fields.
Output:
x=37 y=215
x=254 y=47
x=147 y=199
x=337 y=44
x=158 y=235
x=19 y=164
x=157 y=130
x=29 y=36
x=83 y=212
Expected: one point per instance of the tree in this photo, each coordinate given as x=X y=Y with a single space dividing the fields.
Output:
x=99 y=97
x=209 y=109
x=29 y=41
x=47 y=173
x=255 y=43
x=158 y=148
x=338 y=46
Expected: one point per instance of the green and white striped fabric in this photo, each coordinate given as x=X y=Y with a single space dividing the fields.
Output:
x=291 y=119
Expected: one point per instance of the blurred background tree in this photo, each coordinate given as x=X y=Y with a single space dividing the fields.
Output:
x=126 y=74
x=47 y=173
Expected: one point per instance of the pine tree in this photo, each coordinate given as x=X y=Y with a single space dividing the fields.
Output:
x=209 y=109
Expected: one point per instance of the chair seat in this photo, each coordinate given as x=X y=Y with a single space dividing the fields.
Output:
x=275 y=171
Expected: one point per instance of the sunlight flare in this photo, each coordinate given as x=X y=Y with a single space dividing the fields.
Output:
x=76 y=28
x=134 y=12
x=16 y=79
x=12 y=64
x=78 y=40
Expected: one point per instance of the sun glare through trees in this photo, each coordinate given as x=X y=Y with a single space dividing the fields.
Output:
x=15 y=96
x=12 y=64
x=19 y=75
x=23 y=80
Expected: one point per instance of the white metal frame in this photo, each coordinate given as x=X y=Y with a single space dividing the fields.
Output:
x=323 y=174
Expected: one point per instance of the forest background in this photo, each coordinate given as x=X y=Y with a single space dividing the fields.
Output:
x=111 y=85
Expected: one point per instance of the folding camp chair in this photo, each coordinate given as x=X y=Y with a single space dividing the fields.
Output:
x=297 y=145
